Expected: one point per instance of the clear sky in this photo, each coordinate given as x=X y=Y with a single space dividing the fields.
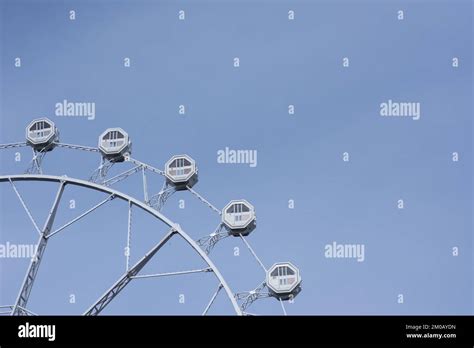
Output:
x=408 y=251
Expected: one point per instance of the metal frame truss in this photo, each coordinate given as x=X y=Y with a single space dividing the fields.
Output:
x=110 y=294
x=28 y=282
x=152 y=205
x=158 y=200
x=131 y=273
x=249 y=297
x=36 y=161
x=100 y=173
x=208 y=242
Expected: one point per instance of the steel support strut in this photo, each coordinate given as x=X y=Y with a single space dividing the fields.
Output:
x=158 y=200
x=110 y=294
x=141 y=205
x=28 y=282
x=251 y=296
x=213 y=298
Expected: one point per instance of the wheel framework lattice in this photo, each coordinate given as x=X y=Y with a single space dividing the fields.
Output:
x=151 y=204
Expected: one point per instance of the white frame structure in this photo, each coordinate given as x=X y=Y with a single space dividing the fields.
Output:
x=151 y=204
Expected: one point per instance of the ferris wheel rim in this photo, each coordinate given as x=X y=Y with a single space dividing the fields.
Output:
x=148 y=209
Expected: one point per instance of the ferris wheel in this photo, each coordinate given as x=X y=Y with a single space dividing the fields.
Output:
x=282 y=281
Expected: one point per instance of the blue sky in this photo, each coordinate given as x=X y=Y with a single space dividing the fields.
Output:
x=282 y=62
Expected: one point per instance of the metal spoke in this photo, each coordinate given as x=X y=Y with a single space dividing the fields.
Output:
x=213 y=298
x=12 y=145
x=129 y=234
x=121 y=176
x=30 y=276
x=77 y=147
x=202 y=199
x=54 y=209
x=25 y=207
x=145 y=185
x=282 y=306
x=253 y=253
x=208 y=269
x=204 y=256
x=144 y=165
x=119 y=285
x=110 y=197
